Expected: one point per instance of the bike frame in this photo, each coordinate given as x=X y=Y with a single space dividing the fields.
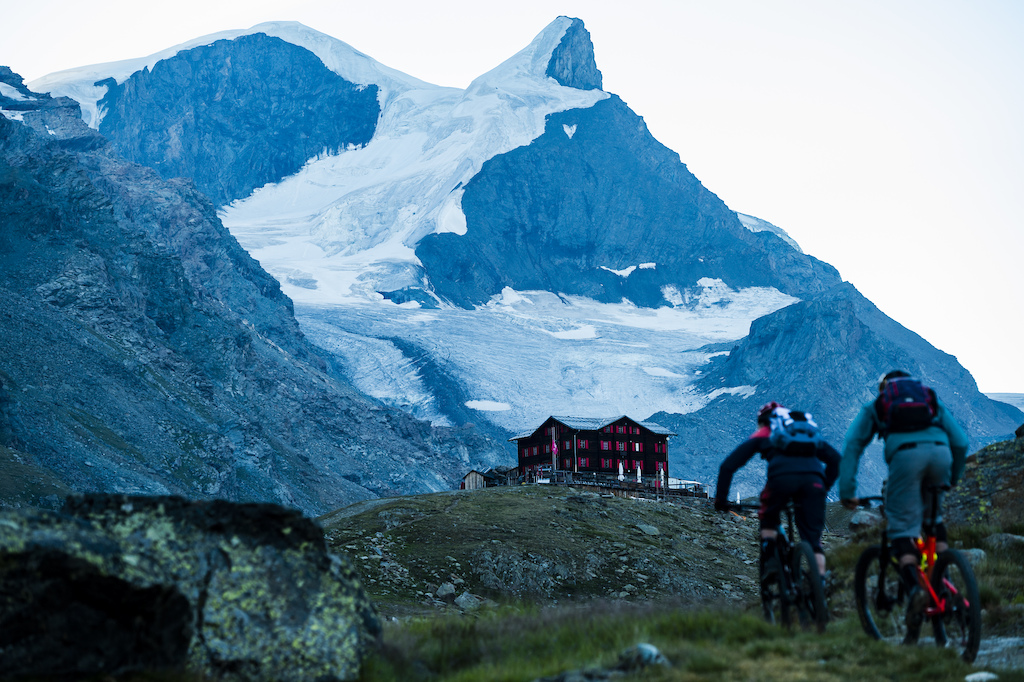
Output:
x=926 y=546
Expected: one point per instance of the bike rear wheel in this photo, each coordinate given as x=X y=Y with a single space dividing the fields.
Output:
x=810 y=593
x=959 y=624
x=774 y=603
x=879 y=596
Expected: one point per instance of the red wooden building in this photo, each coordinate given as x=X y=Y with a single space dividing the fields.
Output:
x=602 y=446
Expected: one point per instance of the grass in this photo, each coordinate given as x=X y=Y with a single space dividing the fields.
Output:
x=531 y=636
x=700 y=644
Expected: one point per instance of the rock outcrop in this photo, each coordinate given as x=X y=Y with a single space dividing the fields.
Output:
x=236 y=114
x=115 y=584
x=572 y=63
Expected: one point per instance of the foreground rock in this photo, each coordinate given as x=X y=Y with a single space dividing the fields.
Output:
x=114 y=584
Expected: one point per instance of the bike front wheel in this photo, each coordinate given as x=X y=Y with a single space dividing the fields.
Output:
x=958 y=625
x=878 y=592
x=809 y=592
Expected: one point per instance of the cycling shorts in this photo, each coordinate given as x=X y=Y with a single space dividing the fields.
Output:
x=807 y=490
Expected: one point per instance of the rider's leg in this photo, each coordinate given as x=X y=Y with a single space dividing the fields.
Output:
x=937 y=473
x=810 y=515
x=769 y=518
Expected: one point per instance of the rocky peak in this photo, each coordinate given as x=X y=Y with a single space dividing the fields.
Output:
x=572 y=61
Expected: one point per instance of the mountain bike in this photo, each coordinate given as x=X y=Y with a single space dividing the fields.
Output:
x=790 y=580
x=954 y=607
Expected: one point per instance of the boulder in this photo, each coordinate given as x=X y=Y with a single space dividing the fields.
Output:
x=863 y=519
x=1004 y=541
x=975 y=557
x=115 y=584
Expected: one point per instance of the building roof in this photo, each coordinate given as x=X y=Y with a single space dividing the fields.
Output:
x=595 y=424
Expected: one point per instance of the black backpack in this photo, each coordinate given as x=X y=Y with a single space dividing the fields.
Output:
x=905 y=405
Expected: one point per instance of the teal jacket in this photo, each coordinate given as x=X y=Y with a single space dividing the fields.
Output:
x=865 y=426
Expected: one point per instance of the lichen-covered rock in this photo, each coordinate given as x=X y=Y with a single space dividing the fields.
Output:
x=990 y=491
x=232 y=591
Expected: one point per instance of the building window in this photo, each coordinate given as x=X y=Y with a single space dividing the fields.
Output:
x=547 y=448
x=565 y=464
x=621 y=429
x=585 y=462
x=620 y=446
x=582 y=444
x=638 y=447
x=568 y=445
x=606 y=464
x=606 y=445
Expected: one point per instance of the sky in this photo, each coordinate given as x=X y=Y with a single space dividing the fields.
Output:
x=885 y=137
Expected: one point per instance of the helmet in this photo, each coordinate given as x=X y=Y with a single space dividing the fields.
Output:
x=765 y=412
x=894 y=374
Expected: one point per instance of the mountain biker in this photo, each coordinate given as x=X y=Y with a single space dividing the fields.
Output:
x=931 y=454
x=802 y=474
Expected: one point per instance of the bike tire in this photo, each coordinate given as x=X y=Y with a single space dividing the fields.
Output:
x=774 y=603
x=878 y=594
x=959 y=626
x=811 y=606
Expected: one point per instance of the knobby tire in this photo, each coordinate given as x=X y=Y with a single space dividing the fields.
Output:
x=810 y=593
x=959 y=626
x=880 y=602
x=774 y=605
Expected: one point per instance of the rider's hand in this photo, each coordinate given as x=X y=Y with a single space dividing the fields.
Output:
x=852 y=503
x=721 y=504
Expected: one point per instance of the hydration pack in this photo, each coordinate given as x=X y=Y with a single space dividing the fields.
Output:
x=795 y=433
x=906 y=404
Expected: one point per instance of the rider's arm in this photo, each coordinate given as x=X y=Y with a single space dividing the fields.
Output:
x=737 y=458
x=830 y=456
x=958 y=442
x=860 y=433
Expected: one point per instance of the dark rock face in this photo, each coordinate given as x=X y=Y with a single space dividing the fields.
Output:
x=142 y=350
x=62 y=618
x=823 y=356
x=572 y=62
x=551 y=215
x=990 y=490
x=116 y=584
x=236 y=114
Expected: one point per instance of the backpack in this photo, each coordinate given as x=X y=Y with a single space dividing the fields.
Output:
x=795 y=433
x=906 y=404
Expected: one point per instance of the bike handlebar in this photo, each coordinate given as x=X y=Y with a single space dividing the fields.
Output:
x=744 y=506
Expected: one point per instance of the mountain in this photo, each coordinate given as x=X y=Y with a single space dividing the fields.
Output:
x=520 y=248
x=142 y=350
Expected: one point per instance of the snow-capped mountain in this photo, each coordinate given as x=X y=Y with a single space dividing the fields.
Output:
x=520 y=248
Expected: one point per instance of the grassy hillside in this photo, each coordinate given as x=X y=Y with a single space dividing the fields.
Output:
x=529 y=582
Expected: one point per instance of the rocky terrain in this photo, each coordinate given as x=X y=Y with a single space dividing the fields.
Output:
x=142 y=350
x=468 y=552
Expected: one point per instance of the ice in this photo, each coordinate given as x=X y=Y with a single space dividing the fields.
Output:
x=568 y=354
x=11 y=92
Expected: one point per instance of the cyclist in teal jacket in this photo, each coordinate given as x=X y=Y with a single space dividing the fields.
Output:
x=934 y=455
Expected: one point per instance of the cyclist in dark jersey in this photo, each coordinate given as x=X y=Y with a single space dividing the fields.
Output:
x=801 y=475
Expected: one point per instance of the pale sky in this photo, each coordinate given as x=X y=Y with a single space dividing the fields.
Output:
x=885 y=137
